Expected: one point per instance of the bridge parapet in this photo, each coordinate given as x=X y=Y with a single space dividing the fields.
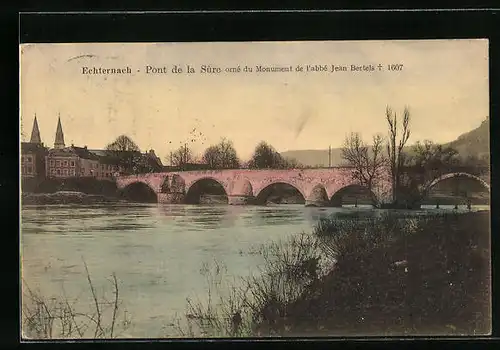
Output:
x=243 y=183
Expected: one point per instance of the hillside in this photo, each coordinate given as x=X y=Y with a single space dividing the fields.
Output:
x=475 y=142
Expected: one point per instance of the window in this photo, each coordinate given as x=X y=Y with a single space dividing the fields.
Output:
x=58 y=163
x=72 y=172
x=103 y=166
x=58 y=171
x=29 y=169
x=51 y=163
x=28 y=159
x=65 y=172
x=65 y=163
x=52 y=171
x=72 y=163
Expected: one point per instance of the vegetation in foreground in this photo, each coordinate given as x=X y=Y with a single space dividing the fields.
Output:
x=389 y=276
x=57 y=317
x=358 y=276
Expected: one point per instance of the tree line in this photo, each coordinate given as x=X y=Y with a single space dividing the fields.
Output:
x=222 y=155
x=409 y=167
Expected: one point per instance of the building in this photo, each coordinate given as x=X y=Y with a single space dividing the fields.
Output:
x=72 y=161
x=152 y=161
x=63 y=162
x=80 y=162
x=130 y=161
x=33 y=155
x=109 y=165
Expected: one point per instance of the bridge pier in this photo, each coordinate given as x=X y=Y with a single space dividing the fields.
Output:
x=239 y=200
x=171 y=198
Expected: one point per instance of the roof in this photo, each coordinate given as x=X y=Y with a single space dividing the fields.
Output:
x=59 y=134
x=109 y=160
x=35 y=133
x=80 y=152
x=99 y=152
x=31 y=147
x=84 y=153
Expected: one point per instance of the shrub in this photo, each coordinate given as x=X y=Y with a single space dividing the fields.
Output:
x=57 y=318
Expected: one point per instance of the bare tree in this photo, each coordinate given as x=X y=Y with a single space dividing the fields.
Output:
x=123 y=143
x=211 y=157
x=125 y=151
x=430 y=160
x=395 y=146
x=367 y=162
x=182 y=156
x=221 y=156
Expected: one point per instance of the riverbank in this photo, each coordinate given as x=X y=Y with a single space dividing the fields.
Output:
x=65 y=197
x=433 y=281
x=392 y=276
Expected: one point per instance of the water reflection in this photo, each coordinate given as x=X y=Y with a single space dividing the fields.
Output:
x=199 y=217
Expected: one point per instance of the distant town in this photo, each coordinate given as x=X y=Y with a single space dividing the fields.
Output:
x=61 y=161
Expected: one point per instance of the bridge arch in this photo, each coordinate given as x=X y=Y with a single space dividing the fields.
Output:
x=359 y=192
x=263 y=194
x=437 y=180
x=139 y=191
x=206 y=186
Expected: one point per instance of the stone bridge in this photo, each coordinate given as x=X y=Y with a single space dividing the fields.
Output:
x=317 y=186
x=482 y=180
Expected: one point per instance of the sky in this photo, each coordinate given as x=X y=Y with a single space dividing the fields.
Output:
x=443 y=82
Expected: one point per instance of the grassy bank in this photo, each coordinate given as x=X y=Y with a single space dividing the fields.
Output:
x=390 y=276
x=58 y=317
x=394 y=277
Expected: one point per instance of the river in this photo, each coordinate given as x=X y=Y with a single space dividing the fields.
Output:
x=156 y=251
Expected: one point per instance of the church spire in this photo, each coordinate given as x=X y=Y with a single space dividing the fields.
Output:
x=59 y=142
x=35 y=133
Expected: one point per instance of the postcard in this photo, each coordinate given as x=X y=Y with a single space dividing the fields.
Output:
x=255 y=189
